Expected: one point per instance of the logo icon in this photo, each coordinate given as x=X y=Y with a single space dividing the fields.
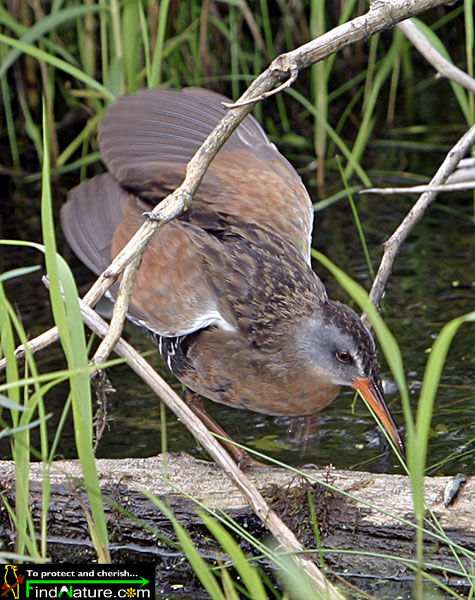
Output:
x=11 y=583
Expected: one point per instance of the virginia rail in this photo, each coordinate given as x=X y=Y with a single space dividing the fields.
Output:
x=225 y=290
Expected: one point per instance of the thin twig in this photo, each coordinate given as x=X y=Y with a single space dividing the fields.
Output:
x=119 y=313
x=35 y=345
x=443 y=66
x=283 y=86
x=394 y=243
x=419 y=189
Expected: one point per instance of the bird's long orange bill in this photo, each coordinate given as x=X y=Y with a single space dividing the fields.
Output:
x=374 y=397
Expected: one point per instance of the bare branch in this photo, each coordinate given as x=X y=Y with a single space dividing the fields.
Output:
x=119 y=314
x=382 y=14
x=434 y=57
x=419 y=189
x=38 y=343
x=394 y=243
x=283 y=86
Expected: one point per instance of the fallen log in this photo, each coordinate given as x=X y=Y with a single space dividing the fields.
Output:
x=380 y=521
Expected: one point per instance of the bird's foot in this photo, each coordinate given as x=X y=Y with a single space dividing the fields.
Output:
x=241 y=457
x=244 y=461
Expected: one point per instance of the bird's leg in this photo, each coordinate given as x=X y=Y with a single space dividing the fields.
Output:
x=242 y=458
x=304 y=429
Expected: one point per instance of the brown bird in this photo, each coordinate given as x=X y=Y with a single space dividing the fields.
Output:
x=226 y=289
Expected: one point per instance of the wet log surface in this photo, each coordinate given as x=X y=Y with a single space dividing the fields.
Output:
x=137 y=527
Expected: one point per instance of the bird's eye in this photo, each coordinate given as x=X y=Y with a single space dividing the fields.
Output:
x=343 y=356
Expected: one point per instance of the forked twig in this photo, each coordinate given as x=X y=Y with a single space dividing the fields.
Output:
x=394 y=243
x=119 y=314
x=382 y=14
x=283 y=86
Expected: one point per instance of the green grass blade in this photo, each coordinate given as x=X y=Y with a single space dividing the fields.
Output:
x=34 y=402
x=469 y=49
x=430 y=382
x=248 y=573
x=459 y=92
x=366 y=126
x=41 y=55
x=5 y=402
x=82 y=139
x=20 y=272
x=104 y=37
x=131 y=45
x=20 y=30
x=146 y=44
x=31 y=127
x=67 y=316
x=357 y=220
x=9 y=119
x=11 y=431
x=228 y=585
x=20 y=440
x=22 y=526
x=418 y=450
x=156 y=71
x=319 y=90
x=44 y=26
x=352 y=160
x=23 y=422
x=200 y=567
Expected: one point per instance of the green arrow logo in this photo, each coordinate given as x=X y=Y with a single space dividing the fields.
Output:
x=31 y=582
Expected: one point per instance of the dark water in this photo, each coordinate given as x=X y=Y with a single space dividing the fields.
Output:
x=431 y=284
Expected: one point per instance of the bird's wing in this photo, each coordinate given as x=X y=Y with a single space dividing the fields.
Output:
x=146 y=139
x=171 y=294
x=90 y=217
